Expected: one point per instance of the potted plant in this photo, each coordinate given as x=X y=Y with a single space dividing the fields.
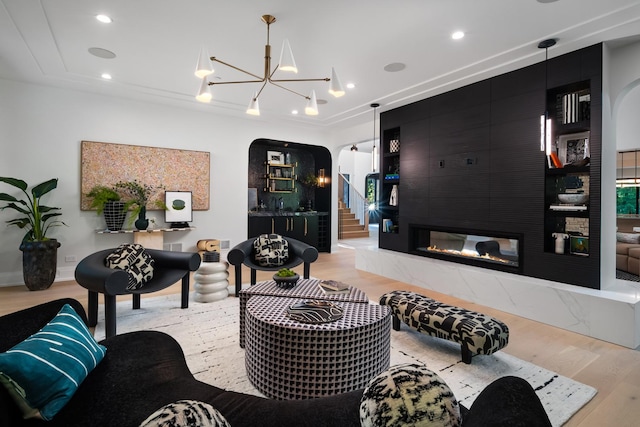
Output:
x=136 y=197
x=286 y=278
x=309 y=182
x=39 y=253
x=106 y=200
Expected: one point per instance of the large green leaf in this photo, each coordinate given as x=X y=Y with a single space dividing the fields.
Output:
x=43 y=188
x=7 y=198
x=15 y=182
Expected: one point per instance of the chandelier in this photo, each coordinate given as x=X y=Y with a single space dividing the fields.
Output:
x=287 y=63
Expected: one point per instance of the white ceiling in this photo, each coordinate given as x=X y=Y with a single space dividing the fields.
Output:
x=157 y=43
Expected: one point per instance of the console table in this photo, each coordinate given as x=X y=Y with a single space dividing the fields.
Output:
x=286 y=359
x=152 y=238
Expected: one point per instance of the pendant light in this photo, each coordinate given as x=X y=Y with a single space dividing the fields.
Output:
x=354 y=147
x=545 y=121
x=374 y=152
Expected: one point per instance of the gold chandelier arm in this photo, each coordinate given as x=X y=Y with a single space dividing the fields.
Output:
x=325 y=79
x=287 y=89
x=260 y=79
x=236 y=82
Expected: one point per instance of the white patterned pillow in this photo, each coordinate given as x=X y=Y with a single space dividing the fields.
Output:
x=628 y=237
x=270 y=250
x=133 y=259
x=185 y=413
x=409 y=395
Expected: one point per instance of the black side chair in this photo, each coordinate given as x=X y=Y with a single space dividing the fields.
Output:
x=299 y=252
x=169 y=268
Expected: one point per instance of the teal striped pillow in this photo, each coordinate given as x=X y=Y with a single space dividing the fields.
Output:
x=45 y=370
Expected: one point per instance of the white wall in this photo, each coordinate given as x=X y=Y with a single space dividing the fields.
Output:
x=40 y=133
x=357 y=165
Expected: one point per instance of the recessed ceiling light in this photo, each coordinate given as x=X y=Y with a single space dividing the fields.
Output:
x=101 y=53
x=294 y=112
x=457 y=35
x=104 y=19
x=350 y=86
x=321 y=101
x=546 y=1
x=394 y=67
x=106 y=76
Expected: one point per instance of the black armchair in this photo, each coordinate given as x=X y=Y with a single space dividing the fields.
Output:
x=299 y=252
x=170 y=267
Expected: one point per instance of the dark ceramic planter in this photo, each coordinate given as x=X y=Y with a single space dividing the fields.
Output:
x=39 y=263
x=286 y=282
x=114 y=215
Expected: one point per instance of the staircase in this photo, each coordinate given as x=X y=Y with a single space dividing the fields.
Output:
x=349 y=227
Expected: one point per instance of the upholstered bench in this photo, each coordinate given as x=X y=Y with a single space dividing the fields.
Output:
x=477 y=333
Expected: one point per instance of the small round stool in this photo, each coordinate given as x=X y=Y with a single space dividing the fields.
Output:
x=211 y=279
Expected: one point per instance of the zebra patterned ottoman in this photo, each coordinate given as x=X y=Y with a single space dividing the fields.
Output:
x=477 y=333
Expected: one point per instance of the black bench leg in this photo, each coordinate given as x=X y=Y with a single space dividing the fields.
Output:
x=93 y=308
x=185 y=291
x=396 y=323
x=110 y=315
x=253 y=277
x=466 y=354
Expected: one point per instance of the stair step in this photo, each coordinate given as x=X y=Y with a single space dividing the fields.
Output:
x=353 y=221
x=354 y=234
x=352 y=227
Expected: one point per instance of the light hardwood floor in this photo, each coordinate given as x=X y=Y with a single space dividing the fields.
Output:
x=613 y=370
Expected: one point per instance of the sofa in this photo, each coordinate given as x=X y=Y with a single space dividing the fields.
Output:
x=628 y=252
x=144 y=371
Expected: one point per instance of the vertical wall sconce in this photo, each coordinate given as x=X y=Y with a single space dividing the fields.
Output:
x=374 y=152
x=545 y=120
x=322 y=180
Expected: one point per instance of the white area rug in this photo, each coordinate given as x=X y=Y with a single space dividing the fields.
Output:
x=208 y=334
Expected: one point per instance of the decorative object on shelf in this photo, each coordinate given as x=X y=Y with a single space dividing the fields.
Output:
x=275 y=158
x=560 y=241
x=573 y=198
x=142 y=223
x=211 y=280
x=106 y=200
x=393 y=199
x=286 y=278
x=545 y=120
x=178 y=212
x=374 y=152
x=287 y=158
x=579 y=245
x=137 y=195
x=39 y=252
x=315 y=312
x=287 y=63
x=394 y=146
x=573 y=149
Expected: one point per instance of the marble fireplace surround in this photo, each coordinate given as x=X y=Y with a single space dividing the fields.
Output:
x=606 y=315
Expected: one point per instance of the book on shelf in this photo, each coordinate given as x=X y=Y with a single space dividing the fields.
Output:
x=334 y=285
x=556 y=160
x=562 y=207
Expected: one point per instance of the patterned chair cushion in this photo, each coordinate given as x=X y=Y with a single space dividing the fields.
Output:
x=133 y=259
x=186 y=413
x=409 y=395
x=270 y=250
x=477 y=332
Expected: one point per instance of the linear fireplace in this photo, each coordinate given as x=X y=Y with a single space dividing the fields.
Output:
x=488 y=249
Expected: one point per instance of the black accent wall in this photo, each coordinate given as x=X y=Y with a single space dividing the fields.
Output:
x=471 y=159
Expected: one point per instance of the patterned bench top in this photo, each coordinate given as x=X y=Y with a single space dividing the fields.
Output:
x=476 y=332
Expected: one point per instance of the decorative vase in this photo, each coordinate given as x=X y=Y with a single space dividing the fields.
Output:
x=142 y=222
x=39 y=263
x=114 y=215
